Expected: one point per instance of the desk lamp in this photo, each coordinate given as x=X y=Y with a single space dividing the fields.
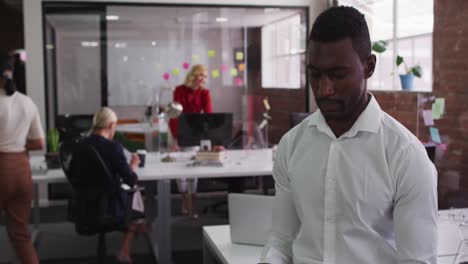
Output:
x=172 y=110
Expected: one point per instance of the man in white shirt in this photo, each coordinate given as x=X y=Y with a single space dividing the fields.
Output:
x=353 y=185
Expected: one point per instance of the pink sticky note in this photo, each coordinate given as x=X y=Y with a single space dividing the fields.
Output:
x=224 y=67
x=166 y=76
x=442 y=146
x=186 y=65
x=238 y=81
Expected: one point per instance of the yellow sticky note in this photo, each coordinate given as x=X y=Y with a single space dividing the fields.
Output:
x=266 y=104
x=241 y=67
x=211 y=53
x=175 y=71
x=195 y=58
x=234 y=72
x=215 y=73
x=239 y=55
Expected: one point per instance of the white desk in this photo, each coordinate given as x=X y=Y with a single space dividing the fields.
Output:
x=217 y=242
x=237 y=163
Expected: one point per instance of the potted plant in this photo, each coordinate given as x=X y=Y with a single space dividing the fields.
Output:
x=407 y=79
x=52 y=155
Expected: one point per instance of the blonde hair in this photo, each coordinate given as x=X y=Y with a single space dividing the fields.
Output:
x=103 y=118
x=194 y=71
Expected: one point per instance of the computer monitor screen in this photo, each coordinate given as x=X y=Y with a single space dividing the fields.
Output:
x=72 y=126
x=194 y=127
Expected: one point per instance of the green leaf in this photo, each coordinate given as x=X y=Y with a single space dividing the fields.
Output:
x=399 y=60
x=379 y=46
x=417 y=71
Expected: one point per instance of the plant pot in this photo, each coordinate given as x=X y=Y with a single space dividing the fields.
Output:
x=53 y=160
x=407 y=81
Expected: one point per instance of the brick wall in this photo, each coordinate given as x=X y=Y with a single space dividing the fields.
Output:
x=450 y=75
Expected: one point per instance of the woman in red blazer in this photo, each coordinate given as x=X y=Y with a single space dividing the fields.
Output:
x=195 y=98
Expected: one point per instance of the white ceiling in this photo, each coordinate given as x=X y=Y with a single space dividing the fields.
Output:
x=151 y=18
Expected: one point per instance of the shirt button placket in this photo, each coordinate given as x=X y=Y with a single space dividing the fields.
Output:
x=330 y=205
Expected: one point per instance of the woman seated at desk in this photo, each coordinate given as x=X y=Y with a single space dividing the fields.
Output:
x=101 y=138
x=194 y=98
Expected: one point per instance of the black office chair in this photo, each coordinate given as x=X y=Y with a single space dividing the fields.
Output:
x=90 y=207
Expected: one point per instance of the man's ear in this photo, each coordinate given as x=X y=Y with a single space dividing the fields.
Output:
x=369 y=66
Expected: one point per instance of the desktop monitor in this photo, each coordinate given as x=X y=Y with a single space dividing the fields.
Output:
x=74 y=126
x=194 y=127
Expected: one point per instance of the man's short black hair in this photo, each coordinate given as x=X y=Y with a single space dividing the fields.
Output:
x=341 y=22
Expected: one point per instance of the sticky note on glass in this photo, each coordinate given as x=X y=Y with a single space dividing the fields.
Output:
x=239 y=55
x=266 y=104
x=234 y=72
x=211 y=53
x=428 y=119
x=241 y=67
x=435 y=136
x=238 y=81
x=166 y=76
x=185 y=65
x=224 y=67
x=215 y=73
x=175 y=71
x=195 y=58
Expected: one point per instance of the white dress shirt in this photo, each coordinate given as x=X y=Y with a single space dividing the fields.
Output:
x=368 y=196
x=19 y=121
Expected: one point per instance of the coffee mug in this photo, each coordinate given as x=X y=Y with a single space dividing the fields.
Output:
x=142 y=155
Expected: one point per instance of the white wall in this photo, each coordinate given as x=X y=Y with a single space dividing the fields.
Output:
x=34 y=44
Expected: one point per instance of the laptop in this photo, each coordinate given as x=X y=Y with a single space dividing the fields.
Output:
x=250 y=218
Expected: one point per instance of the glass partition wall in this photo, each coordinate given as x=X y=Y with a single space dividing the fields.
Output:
x=130 y=56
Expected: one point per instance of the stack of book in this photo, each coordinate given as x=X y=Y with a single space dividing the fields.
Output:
x=209 y=155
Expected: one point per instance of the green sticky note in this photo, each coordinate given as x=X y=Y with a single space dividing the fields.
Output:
x=211 y=53
x=195 y=58
x=438 y=108
x=234 y=72
x=215 y=73
x=175 y=71
x=239 y=55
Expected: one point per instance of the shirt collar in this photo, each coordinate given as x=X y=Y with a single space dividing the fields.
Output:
x=369 y=120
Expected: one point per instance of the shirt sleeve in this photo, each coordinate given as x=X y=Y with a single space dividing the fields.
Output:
x=285 y=222
x=174 y=122
x=207 y=106
x=35 y=130
x=122 y=167
x=415 y=207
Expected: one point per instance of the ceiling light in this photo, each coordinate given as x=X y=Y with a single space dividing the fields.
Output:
x=112 y=17
x=89 y=44
x=221 y=19
x=153 y=43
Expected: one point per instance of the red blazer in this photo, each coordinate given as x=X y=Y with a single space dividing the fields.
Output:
x=193 y=101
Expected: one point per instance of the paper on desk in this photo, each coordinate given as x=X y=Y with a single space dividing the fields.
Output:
x=435 y=136
x=427 y=116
